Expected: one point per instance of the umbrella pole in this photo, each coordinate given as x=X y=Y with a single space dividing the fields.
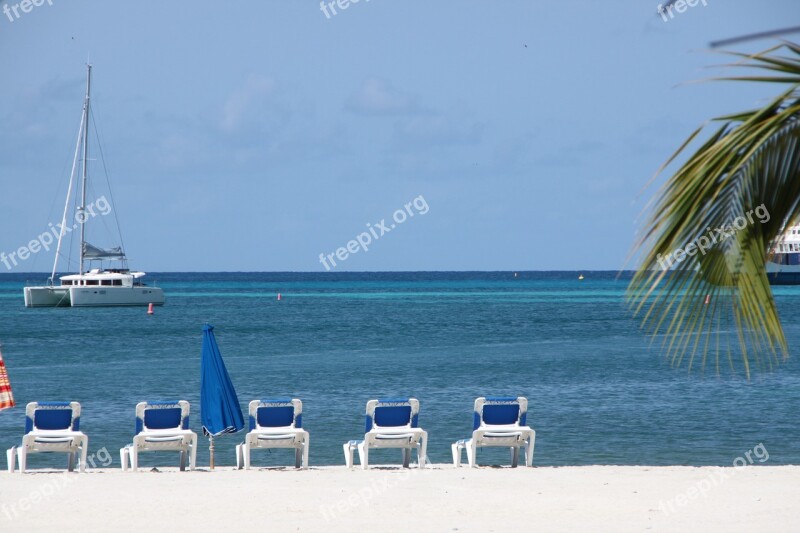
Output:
x=211 y=450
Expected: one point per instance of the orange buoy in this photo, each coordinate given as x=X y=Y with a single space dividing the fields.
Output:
x=279 y=297
x=149 y=309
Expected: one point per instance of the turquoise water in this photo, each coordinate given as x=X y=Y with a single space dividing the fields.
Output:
x=598 y=394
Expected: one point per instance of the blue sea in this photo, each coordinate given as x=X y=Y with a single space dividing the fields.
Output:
x=598 y=392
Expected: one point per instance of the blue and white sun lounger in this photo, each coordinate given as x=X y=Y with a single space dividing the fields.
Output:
x=391 y=423
x=51 y=427
x=161 y=426
x=498 y=422
x=275 y=423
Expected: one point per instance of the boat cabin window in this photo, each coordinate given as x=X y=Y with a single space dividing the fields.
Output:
x=66 y=282
x=105 y=282
x=92 y=282
x=117 y=282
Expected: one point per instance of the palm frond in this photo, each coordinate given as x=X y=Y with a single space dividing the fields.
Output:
x=702 y=280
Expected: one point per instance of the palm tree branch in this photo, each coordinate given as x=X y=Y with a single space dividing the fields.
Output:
x=749 y=164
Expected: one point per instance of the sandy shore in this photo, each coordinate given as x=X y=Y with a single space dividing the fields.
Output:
x=442 y=498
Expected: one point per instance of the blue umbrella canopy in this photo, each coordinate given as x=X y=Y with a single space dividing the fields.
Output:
x=219 y=406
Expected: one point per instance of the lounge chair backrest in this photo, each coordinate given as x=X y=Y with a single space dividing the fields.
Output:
x=276 y=413
x=162 y=414
x=500 y=411
x=52 y=416
x=392 y=413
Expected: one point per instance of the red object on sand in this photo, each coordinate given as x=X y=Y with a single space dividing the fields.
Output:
x=6 y=397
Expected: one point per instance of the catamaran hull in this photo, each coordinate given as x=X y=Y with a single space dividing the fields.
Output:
x=47 y=297
x=92 y=296
x=114 y=296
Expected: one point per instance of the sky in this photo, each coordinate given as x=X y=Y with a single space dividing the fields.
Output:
x=255 y=135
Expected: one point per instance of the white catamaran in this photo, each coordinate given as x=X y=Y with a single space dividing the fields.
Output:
x=94 y=287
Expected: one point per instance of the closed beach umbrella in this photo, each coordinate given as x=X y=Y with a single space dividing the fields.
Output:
x=219 y=406
x=6 y=398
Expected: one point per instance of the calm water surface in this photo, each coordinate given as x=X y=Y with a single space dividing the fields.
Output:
x=598 y=394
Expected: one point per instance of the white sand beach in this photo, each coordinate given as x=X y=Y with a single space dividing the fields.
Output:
x=441 y=498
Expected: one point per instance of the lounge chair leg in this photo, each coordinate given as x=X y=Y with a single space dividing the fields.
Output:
x=11 y=458
x=239 y=459
x=246 y=449
x=183 y=461
x=22 y=459
x=348 y=455
x=472 y=451
x=193 y=454
x=298 y=457
x=134 y=457
x=363 y=455
x=71 y=462
x=305 y=452
x=406 y=457
x=123 y=458
x=84 y=452
x=529 y=450
x=456 y=454
x=514 y=457
x=422 y=451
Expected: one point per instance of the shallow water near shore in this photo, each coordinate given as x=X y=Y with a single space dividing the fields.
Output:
x=598 y=394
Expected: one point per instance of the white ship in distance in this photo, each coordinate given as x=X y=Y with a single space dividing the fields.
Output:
x=95 y=285
x=783 y=258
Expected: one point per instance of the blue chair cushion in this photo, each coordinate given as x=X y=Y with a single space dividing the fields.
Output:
x=500 y=414
x=51 y=419
x=393 y=416
x=275 y=417
x=162 y=418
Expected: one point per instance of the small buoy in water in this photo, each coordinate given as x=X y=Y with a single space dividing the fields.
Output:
x=708 y=298
x=279 y=297
x=515 y=274
x=580 y=277
x=149 y=309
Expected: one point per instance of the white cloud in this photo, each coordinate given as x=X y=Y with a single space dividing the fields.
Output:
x=255 y=90
x=378 y=97
x=438 y=130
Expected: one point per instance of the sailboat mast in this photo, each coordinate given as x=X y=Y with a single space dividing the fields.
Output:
x=82 y=208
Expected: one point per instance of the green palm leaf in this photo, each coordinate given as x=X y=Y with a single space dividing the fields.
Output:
x=723 y=207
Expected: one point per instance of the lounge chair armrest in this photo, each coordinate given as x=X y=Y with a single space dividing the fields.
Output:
x=398 y=431
x=56 y=433
x=166 y=433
